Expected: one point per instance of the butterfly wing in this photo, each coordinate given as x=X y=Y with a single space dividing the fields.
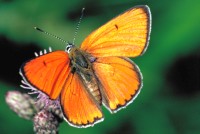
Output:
x=125 y=35
x=47 y=73
x=79 y=107
x=120 y=81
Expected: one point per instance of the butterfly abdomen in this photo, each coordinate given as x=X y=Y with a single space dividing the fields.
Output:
x=92 y=86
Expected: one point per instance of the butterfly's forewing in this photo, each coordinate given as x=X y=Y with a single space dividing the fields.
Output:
x=120 y=81
x=78 y=106
x=126 y=35
x=47 y=73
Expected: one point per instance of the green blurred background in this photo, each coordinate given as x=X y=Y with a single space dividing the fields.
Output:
x=169 y=102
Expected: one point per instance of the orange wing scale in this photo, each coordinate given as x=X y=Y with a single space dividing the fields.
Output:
x=79 y=107
x=126 y=35
x=120 y=80
x=48 y=72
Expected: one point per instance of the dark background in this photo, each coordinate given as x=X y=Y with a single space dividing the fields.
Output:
x=169 y=102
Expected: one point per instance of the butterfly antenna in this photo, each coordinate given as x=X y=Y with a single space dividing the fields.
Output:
x=40 y=30
x=78 y=24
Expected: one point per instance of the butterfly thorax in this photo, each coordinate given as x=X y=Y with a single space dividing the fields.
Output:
x=81 y=64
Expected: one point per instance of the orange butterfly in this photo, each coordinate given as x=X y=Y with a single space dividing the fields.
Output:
x=97 y=73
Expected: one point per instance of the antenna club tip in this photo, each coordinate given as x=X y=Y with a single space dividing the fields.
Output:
x=38 y=29
x=83 y=9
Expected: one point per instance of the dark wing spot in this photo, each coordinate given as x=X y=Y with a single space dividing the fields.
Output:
x=45 y=64
x=116 y=26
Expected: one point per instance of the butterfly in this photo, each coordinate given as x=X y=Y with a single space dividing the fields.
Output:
x=98 y=73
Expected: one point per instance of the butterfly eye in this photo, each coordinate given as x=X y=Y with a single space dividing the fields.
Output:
x=68 y=48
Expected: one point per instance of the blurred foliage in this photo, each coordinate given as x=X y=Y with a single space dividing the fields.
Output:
x=170 y=98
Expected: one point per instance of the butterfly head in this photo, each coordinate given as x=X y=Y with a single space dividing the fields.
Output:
x=69 y=47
